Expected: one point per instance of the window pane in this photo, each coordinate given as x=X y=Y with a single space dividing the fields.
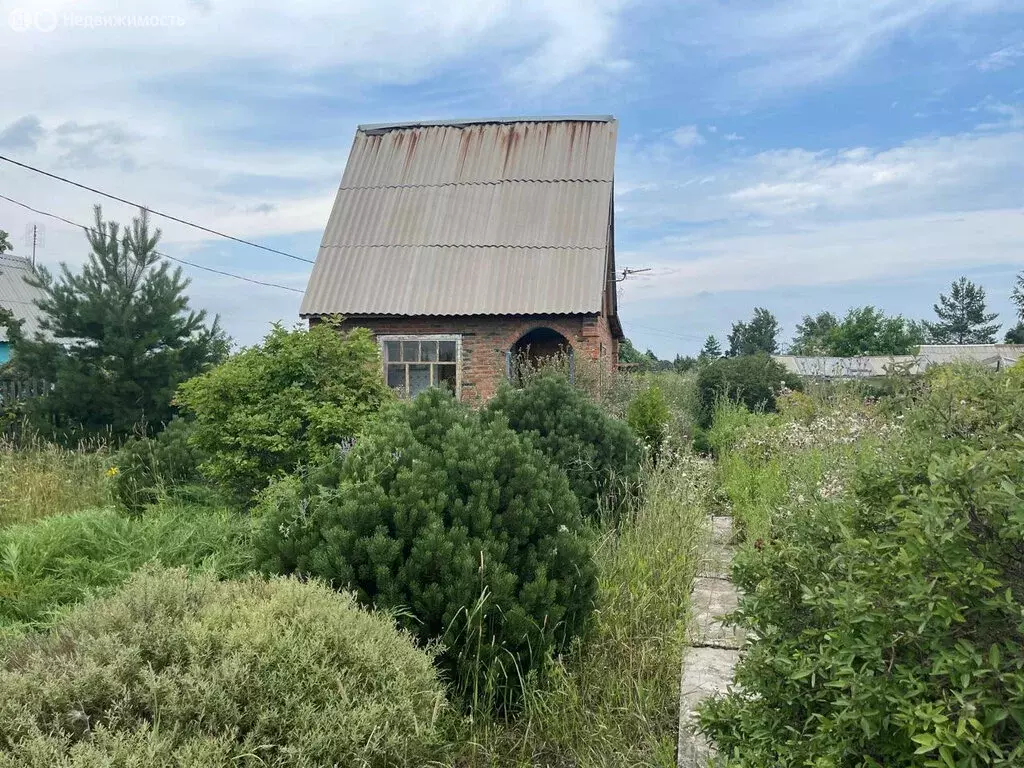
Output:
x=446 y=376
x=428 y=351
x=396 y=377
x=446 y=351
x=392 y=351
x=419 y=379
x=411 y=351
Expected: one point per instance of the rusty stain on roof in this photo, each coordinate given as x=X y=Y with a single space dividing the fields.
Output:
x=470 y=217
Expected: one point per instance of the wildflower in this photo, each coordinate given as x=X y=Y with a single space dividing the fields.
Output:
x=113 y=472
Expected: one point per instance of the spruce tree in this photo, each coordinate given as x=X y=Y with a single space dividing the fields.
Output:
x=711 y=349
x=119 y=337
x=962 y=316
x=5 y=243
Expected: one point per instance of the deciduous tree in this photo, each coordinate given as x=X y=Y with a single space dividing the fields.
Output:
x=756 y=337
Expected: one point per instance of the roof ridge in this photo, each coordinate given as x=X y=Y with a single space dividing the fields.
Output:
x=493 y=182
x=466 y=245
x=371 y=128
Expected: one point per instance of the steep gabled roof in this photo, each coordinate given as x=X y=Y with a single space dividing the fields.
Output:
x=470 y=217
x=18 y=296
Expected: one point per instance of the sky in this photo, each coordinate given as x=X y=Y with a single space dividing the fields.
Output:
x=802 y=155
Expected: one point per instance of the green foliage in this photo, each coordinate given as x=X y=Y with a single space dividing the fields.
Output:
x=711 y=350
x=597 y=452
x=630 y=354
x=177 y=672
x=648 y=416
x=147 y=467
x=461 y=523
x=756 y=337
x=1015 y=335
x=888 y=615
x=864 y=331
x=5 y=243
x=683 y=364
x=39 y=478
x=752 y=380
x=962 y=316
x=123 y=337
x=60 y=560
x=283 y=404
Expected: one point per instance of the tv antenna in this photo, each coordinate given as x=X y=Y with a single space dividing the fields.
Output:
x=35 y=236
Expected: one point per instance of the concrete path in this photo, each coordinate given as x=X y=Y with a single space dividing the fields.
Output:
x=709 y=662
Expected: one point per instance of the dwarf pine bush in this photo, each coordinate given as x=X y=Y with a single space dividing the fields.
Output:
x=598 y=452
x=457 y=521
x=146 y=467
x=172 y=671
x=889 y=617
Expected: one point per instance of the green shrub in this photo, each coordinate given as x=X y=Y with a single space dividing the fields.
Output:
x=889 y=617
x=462 y=524
x=147 y=467
x=753 y=380
x=284 y=404
x=177 y=672
x=598 y=453
x=62 y=559
x=648 y=416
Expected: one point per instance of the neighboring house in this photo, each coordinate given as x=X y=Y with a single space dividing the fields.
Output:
x=18 y=297
x=464 y=244
x=996 y=356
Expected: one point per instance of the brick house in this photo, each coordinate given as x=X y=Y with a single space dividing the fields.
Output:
x=463 y=244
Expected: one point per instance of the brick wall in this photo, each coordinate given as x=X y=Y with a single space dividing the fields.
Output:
x=486 y=338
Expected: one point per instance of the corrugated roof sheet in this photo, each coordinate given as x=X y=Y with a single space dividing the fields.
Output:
x=996 y=356
x=18 y=296
x=470 y=218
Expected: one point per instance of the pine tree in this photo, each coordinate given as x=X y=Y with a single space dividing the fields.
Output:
x=119 y=336
x=711 y=349
x=755 y=337
x=962 y=316
x=5 y=243
x=1016 y=334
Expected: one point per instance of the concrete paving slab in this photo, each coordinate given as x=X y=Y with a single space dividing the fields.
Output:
x=706 y=672
x=710 y=600
x=716 y=562
x=721 y=529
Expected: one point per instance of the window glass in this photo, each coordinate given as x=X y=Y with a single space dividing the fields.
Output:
x=446 y=351
x=419 y=379
x=446 y=376
x=396 y=377
x=428 y=351
x=411 y=351
x=393 y=351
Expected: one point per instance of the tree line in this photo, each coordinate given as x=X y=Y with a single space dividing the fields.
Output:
x=961 y=317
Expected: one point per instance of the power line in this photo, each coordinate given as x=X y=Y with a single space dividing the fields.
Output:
x=159 y=253
x=152 y=210
x=684 y=336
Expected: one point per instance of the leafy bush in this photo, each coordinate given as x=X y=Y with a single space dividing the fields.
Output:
x=145 y=467
x=284 y=404
x=597 y=452
x=888 y=617
x=60 y=560
x=178 y=672
x=753 y=380
x=648 y=417
x=461 y=523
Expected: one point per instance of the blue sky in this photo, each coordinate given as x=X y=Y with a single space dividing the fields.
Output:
x=801 y=155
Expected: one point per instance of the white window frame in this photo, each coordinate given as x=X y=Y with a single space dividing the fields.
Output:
x=457 y=338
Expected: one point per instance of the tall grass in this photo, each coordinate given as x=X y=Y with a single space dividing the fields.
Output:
x=58 y=561
x=39 y=479
x=613 y=700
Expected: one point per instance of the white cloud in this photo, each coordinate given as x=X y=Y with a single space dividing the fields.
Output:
x=796 y=217
x=1004 y=58
x=687 y=136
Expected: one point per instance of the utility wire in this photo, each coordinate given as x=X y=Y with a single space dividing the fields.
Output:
x=151 y=210
x=163 y=255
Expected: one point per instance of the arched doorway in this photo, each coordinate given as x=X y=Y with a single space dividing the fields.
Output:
x=534 y=349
